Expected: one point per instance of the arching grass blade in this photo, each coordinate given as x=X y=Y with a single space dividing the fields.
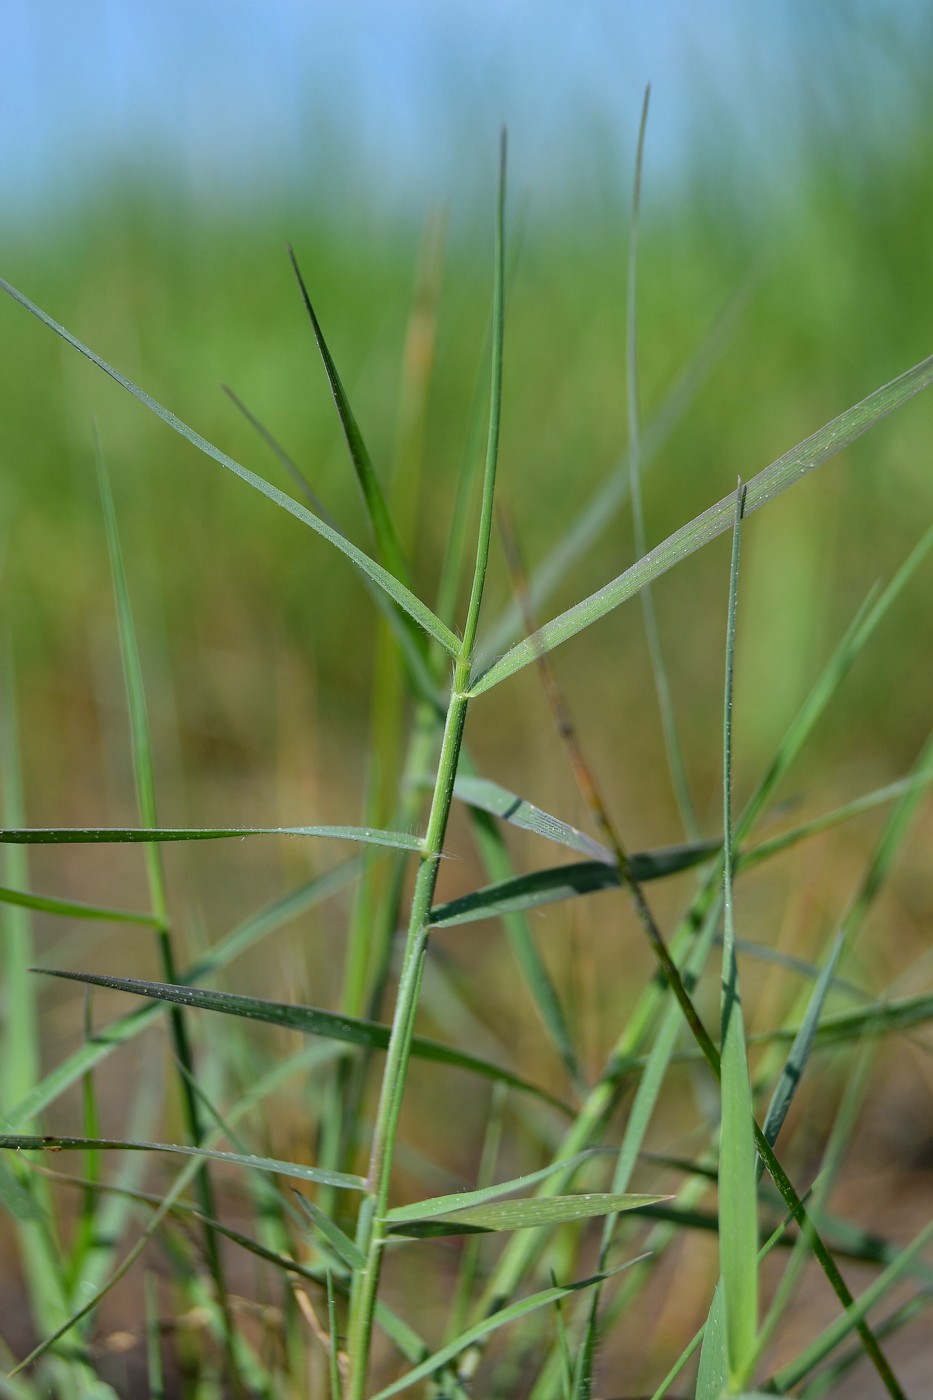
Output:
x=108 y=835
x=307 y=1020
x=406 y=600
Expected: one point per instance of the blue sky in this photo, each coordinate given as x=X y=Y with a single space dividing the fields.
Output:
x=408 y=95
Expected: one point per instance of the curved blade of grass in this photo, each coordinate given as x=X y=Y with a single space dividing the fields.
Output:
x=307 y=1020
x=738 y=1161
x=491 y=1324
x=484 y=1195
x=525 y=1214
x=387 y=540
x=568 y=882
x=104 y=835
x=245 y=935
x=488 y=796
x=822 y=445
x=72 y=908
x=49 y=1143
x=396 y=590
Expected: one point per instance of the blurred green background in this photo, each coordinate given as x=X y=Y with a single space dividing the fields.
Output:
x=784 y=255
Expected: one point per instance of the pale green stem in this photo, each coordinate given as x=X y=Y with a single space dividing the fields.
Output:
x=370 y=1237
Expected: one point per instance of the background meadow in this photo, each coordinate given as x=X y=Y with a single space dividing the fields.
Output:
x=783 y=274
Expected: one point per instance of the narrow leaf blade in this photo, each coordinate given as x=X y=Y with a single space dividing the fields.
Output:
x=406 y=600
x=525 y=1214
x=307 y=1020
x=109 y=835
x=813 y=452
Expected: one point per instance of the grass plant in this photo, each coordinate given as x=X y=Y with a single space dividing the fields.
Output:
x=280 y=1276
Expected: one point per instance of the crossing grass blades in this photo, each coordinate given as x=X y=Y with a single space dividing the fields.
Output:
x=550 y=1262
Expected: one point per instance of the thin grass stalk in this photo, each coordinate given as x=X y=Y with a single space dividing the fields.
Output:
x=672 y=745
x=589 y=789
x=155 y=1372
x=38 y=1246
x=144 y=772
x=738 y=1215
x=394 y=799
x=371 y=1227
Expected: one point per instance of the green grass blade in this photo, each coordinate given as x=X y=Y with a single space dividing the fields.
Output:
x=490 y=797
x=766 y=849
x=650 y=1086
x=343 y=1247
x=72 y=908
x=537 y=978
x=905 y=1014
x=463 y=1200
x=675 y=756
x=106 y=835
x=527 y=1214
x=281 y=456
x=336 y=1385
x=143 y=765
x=182 y=1180
x=738 y=1207
x=827 y=1380
x=788 y=469
x=49 y=1143
x=792 y=1073
x=484 y=532
x=270 y=918
x=20 y=1024
x=503 y=1318
x=567 y=882
x=387 y=541
x=155 y=1373
x=396 y=590
x=308 y=1020
x=42 y=1254
x=853 y=642
x=879 y=1017
x=713 y=1372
